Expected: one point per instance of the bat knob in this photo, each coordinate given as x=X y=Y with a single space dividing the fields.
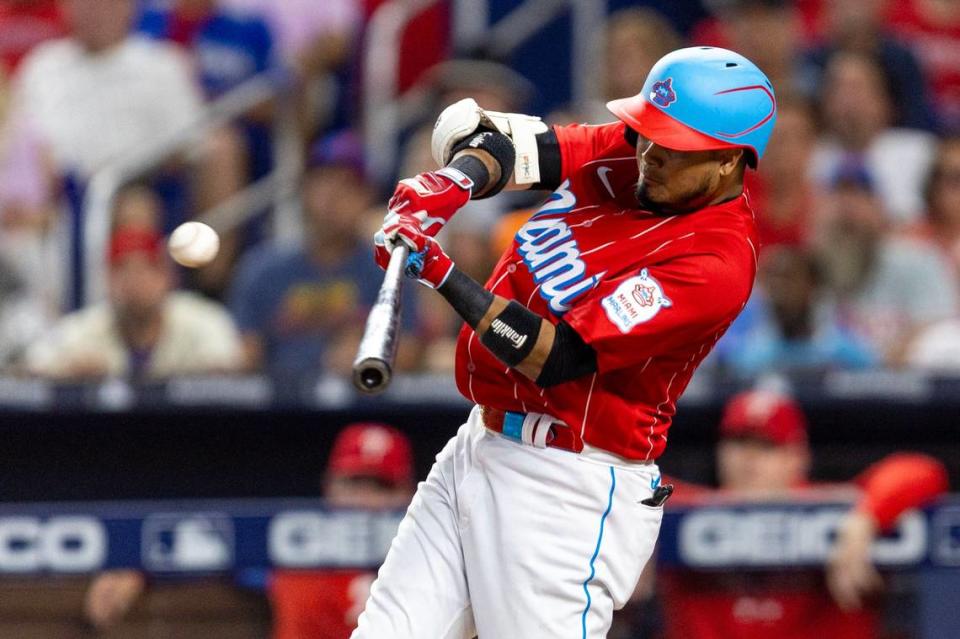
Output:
x=414 y=265
x=371 y=375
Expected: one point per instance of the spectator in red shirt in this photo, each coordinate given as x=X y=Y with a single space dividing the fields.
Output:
x=371 y=467
x=763 y=454
x=932 y=30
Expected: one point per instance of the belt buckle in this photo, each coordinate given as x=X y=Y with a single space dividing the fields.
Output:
x=513 y=425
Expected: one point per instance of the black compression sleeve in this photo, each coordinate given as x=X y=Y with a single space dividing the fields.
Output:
x=467 y=297
x=474 y=169
x=500 y=148
x=551 y=164
x=570 y=357
x=512 y=334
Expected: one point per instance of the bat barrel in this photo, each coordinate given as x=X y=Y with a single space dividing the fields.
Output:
x=373 y=366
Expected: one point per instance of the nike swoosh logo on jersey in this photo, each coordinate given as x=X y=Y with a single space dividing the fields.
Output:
x=602 y=174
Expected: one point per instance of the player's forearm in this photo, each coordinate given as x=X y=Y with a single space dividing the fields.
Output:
x=487 y=180
x=542 y=336
x=517 y=336
x=484 y=175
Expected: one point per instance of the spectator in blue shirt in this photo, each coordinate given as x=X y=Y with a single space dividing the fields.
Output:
x=229 y=47
x=788 y=326
x=301 y=309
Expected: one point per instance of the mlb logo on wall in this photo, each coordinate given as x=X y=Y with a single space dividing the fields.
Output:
x=198 y=542
x=637 y=300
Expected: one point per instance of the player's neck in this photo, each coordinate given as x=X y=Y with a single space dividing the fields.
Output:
x=727 y=196
x=729 y=188
x=713 y=198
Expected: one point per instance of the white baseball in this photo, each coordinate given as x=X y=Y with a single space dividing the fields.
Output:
x=193 y=244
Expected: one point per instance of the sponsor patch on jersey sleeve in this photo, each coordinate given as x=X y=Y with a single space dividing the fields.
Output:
x=635 y=301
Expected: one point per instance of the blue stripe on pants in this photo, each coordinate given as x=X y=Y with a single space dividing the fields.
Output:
x=596 y=551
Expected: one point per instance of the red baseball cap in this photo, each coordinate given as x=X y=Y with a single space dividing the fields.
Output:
x=130 y=241
x=374 y=450
x=765 y=415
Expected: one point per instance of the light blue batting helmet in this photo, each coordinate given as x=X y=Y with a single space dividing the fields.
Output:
x=703 y=98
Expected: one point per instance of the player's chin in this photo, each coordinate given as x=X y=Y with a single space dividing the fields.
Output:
x=650 y=195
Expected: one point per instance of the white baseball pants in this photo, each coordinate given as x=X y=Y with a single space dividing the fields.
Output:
x=510 y=541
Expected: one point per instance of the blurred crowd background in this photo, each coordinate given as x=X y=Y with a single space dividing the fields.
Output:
x=285 y=124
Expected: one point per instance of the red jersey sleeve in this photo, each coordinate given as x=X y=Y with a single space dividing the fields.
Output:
x=900 y=482
x=663 y=308
x=293 y=602
x=581 y=143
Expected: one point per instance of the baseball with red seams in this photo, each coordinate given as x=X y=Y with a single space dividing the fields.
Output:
x=193 y=244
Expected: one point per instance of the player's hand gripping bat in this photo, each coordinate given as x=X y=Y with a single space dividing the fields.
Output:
x=425 y=202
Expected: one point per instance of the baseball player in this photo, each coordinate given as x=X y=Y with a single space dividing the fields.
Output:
x=539 y=515
x=763 y=454
x=370 y=467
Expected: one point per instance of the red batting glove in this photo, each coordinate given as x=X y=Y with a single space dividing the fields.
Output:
x=431 y=198
x=427 y=262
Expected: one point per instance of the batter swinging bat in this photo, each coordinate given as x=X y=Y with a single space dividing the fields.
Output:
x=373 y=366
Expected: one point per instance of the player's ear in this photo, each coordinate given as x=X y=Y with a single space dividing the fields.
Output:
x=730 y=161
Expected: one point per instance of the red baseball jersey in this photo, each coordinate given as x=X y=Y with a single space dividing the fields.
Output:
x=317 y=604
x=650 y=293
x=757 y=605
